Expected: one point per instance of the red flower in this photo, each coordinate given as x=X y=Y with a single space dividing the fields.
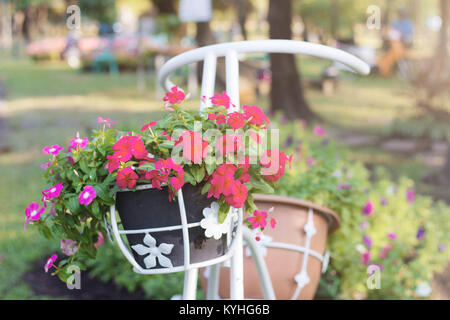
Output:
x=176 y=182
x=259 y=219
x=222 y=180
x=236 y=120
x=156 y=177
x=238 y=196
x=254 y=115
x=127 y=178
x=274 y=163
x=150 y=124
x=174 y=96
x=219 y=119
x=221 y=100
x=133 y=145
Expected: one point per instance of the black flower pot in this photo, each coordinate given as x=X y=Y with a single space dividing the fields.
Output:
x=151 y=208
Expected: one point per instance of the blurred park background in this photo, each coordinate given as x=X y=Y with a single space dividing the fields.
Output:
x=61 y=67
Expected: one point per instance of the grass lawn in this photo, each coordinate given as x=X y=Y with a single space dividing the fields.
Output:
x=49 y=103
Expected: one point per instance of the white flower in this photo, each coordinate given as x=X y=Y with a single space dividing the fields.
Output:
x=260 y=245
x=154 y=252
x=390 y=190
x=211 y=224
x=423 y=290
x=360 y=248
x=337 y=174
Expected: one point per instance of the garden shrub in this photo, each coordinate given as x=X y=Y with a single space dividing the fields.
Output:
x=384 y=223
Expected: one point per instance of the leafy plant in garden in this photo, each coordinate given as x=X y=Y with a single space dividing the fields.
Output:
x=385 y=225
x=220 y=151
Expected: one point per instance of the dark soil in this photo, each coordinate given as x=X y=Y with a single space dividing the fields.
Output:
x=43 y=284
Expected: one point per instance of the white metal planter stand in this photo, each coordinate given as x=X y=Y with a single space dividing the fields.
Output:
x=209 y=55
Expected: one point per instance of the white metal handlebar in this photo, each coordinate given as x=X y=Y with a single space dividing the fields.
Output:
x=260 y=46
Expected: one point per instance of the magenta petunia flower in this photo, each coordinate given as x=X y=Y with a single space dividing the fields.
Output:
x=365 y=258
x=367 y=241
x=33 y=213
x=236 y=120
x=221 y=100
x=363 y=225
x=105 y=121
x=273 y=223
x=45 y=166
x=78 y=142
x=368 y=208
x=259 y=219
x=50 y=262
x=310 y=161
x=148 y=125
x=410 y=195
x=68 y=246
x=52 y=192
x=87 y=195
x=100 y=240
x=174 y=96
x=319 y=131
x=54 y=149
x=392 y=236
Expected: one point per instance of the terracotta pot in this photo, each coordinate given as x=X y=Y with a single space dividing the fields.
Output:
x=283 y=265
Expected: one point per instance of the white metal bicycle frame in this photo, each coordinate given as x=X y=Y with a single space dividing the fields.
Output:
x=209 y=55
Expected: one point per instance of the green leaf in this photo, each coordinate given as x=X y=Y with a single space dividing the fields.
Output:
x=72 y=204
x=198 y=173
x=205 y=188
x=168 y=144
x=149 y=166
x=96 y=209
x=210 y=166
x=260 y=185
x=189 y=178
x=223 y=212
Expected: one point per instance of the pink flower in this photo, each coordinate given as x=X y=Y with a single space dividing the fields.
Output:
x=52 y=192
x=87 y=195
x=363 y=225
x=113 y=161
x=156 y=178
x=130 y=145
x=238 y=195
x=310 y=161
x=78 y=142
x=259 y=219
x=50 y=262
x=127 y=178
x=105 y=121
x=385 y=251
x=194 y=147
x=70 y=159
x=273 y=223
x=222 y=180
x=174 y=96
x=100 y=240
x=255 y=116
x=274 y=164
x=176 y=182
x=221 y=100
x=68 y=246
x=367 y=241
x=392 y=236
x=410 y=195
x=365 y=258
x=236 y=120
x=148 y=125
x=219 y=119
x=54 y=149
x=33 y=213
x=319 y=131
x=45 y=166
x=368 y=208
